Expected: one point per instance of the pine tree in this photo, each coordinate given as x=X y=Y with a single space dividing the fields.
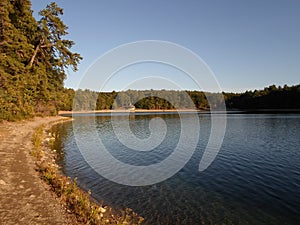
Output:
x=52 y=55
x=33 y=59
x=50 y=42
x=13 y=50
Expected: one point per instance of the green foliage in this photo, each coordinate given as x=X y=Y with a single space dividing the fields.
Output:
x=33 y=59
x=85 y=100
x=147 y=99
x=271 y=98
x=37 y=141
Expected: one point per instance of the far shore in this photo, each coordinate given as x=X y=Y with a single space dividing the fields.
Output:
x=128 y=110
x=229 y=111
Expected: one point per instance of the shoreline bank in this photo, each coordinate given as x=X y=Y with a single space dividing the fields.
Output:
x=24 y=197
x=33 y=190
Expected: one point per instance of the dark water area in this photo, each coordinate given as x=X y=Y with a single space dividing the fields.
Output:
x=255 y=178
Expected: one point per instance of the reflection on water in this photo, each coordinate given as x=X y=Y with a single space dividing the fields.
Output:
x=255 y=179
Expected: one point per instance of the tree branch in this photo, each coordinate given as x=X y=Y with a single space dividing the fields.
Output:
x=37 y=48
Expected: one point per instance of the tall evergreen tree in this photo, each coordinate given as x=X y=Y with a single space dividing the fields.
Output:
x=14 y=48
x=33 y=59
x=52 y=55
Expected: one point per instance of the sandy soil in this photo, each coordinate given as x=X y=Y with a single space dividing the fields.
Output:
x=24 y=197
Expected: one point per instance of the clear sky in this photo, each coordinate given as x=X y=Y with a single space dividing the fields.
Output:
x=248 y=44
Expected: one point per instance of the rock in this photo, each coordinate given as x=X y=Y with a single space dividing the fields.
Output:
x=102 y=210
x=2 y=182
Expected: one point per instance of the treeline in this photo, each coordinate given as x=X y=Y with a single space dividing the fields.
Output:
x=146 y=99
x=272 y=97
x=33 y=59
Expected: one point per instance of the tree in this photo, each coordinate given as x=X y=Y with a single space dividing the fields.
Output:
x=51 y=56
x=33 y=59
x=14 y=52
x=49 y=41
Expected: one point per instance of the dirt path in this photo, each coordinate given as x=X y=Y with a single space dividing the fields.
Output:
x=24 y=197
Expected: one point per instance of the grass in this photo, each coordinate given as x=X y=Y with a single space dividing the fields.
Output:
x=37 y=140
x=75 y=200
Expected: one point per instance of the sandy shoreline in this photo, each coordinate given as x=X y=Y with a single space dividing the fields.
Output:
x=24 y=197
x=30 y=181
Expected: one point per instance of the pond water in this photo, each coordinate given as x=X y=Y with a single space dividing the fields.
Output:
x=255 y=178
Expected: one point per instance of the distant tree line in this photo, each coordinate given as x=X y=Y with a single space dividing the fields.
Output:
x=272 y=97
x=146 y=99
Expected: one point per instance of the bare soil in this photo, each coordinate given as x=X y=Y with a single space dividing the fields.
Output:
x=24 y=197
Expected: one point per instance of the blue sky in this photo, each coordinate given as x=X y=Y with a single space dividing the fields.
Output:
x=247 y=44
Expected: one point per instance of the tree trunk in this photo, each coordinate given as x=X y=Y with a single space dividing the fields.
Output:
x=34 y=55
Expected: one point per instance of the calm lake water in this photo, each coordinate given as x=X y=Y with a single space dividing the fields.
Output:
x=255 y=178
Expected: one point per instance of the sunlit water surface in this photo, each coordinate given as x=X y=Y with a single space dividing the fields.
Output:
x=255 y=178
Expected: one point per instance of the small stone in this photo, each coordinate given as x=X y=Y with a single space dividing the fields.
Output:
x=21 y=186
x=102 y=210
x=32 y=196
x=2 y=182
